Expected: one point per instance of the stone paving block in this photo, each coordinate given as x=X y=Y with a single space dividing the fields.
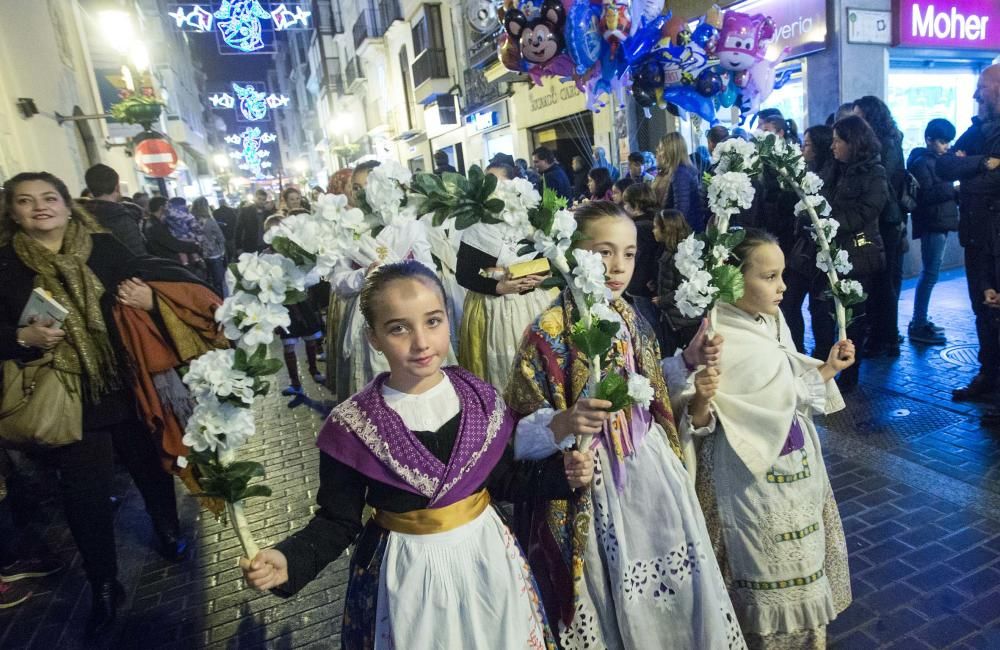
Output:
x=979 y=583
x=933 y=577
x=888 y=629
x=946 y=631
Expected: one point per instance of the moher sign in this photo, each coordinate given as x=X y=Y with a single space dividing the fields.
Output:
x=965 y=24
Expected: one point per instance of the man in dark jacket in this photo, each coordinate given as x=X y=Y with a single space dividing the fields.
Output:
x=250 y=224
x=122 y=219
x=160 y=241
x=226 y=217
x=975 y=164
x=553 y=175
x=442 y=164
x=934 y=217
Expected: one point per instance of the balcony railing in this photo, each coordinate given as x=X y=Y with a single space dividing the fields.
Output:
x=374 y=20
x=430 y=64
x=479 y=92
x=353 y=73
x=484 y=51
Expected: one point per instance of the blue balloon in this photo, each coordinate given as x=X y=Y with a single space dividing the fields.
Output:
x=691 y=100
x=728 y=96
x=583 y=41
x=642 y=41
x=703 y=34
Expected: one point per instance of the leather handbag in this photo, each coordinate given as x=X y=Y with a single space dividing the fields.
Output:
x=37 y=409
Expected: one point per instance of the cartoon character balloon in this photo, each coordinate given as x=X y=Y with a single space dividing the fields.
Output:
x=743 y=40
x=539 y=39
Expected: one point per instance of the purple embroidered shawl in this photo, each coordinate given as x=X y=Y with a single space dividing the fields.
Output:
x=366 y=434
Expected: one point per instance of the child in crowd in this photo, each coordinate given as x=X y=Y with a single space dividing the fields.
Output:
x=427 y=448
x=640 y=203
x=627 y=564
x=306 y=326
x=934 y=217
x=671 y=228
x=618 y=190
x=760 y=474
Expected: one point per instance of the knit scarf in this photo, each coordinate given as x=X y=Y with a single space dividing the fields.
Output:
x=86 y=350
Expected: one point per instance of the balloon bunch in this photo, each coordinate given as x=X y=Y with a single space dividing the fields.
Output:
x=612 y=47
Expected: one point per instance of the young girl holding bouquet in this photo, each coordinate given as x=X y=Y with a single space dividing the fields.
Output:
x=427 y=448
x=627 y=564
x=761 y=478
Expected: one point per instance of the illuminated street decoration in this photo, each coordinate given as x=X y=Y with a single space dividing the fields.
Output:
x=242 y=26
x=251 y=141
x=285 y=19
x=268 y=138
x=252 y=104
x=233 y=139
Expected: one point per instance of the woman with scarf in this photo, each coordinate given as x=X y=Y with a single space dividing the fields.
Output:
x=760 y=474
x=427 y=448
x=627 y=564
x=49 y=243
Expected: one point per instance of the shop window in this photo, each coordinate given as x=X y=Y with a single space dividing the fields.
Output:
x=447 y=113
x=919 y=94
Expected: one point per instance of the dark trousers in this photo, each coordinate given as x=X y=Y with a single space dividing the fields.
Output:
x=85 y=471
x=982 y=271
x=886 y=287
x=216 y=270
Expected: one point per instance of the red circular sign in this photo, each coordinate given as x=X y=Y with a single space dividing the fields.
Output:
x=156 y=157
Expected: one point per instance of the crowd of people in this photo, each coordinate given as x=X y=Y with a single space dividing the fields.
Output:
x=701 y=517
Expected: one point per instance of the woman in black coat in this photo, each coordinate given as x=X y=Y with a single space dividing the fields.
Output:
x=892 y=227
x=46 y=241
x=857 y=192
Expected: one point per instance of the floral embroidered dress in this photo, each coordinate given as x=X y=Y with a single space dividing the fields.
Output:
x=763 y=485
x=627 y=564
x=435 y=567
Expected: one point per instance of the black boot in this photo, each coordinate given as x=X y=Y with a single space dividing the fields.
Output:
x=173 y=545
x=106 y=596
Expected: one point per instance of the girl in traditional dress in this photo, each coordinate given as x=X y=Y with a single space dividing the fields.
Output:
x=761 y=477
x=427 y=448
x=357 y=361
x=627 y=564
x=498 y=307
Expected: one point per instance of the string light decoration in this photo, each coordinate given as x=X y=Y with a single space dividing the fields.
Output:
x=251 y=101
x=242 y=26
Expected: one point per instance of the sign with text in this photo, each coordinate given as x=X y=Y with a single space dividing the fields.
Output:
x=869 y=26
x=965 y=24
x=801 y=26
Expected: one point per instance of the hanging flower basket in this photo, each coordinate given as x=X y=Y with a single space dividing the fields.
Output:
x=137 y=109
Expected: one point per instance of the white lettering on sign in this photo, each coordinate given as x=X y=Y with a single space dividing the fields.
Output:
x=945 y=25
x=795 y=29
x=153 y=158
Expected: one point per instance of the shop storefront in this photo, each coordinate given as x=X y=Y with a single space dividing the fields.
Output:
x=489 y=132
x=555 y=115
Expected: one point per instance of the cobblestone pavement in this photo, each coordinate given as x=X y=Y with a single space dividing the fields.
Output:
x=917 y=480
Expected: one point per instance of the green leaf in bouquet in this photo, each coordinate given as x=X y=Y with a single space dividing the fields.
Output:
x=494 y=205
x=527 y=247
x=294 y=297
x=455 y=184
x=270 y=366
x=596 y=340
x=427 y=184
x=292 y=251
x=464 y=218
x=489 y=183
x=614 y=389
x=729 y=281
x=556 y=281
x=259 y=355
x=245 y=468
x=733 y=238
x=240 y=359
x=255 y=491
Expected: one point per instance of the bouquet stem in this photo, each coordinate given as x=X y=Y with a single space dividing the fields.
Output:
x=824 y=246
x=238 y=519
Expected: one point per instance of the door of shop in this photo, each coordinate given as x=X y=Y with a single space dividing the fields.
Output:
x=567 y=137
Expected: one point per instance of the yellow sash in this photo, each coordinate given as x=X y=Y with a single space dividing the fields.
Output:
x=434 y=520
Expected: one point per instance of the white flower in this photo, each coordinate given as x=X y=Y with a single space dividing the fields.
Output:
x=601 y=311
x=733 y=155
x=640 y=390
x=248 y=320
x=841 y=262
x=384 y=190
x=551 y=249
x=563 y=225
x=730 y=192
x=589 y=276
x=817 y=202
x=830 y=228
x=695 y=295
x=720 y=253
x=850 y=288
x=182 y=462
x=811 y=183
x=213 y=375
x=518 y=196
x=688 y=257
x=218 y=426
x=270 y=276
